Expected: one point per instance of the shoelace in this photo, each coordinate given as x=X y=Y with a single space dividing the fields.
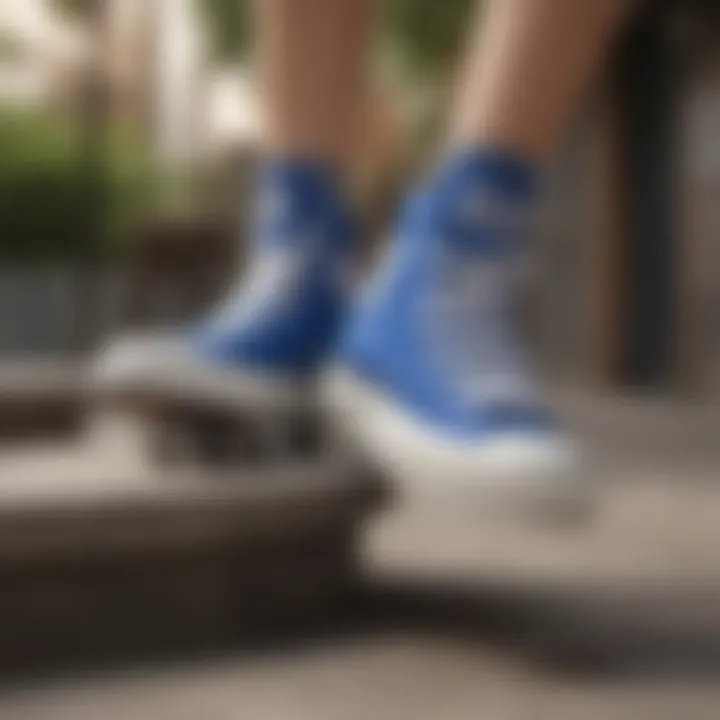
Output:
x=468 y=318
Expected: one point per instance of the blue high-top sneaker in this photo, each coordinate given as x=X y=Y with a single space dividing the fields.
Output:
x=268 y=337
x=431 y=377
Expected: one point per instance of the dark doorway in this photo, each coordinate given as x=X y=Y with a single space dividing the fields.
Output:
x=648 y=83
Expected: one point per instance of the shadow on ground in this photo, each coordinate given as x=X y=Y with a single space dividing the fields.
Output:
x=603 y=633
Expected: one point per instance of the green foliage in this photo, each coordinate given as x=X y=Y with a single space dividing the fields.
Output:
x=78 y=8
x=229 y=27
x=52 y=209
x=427 y=33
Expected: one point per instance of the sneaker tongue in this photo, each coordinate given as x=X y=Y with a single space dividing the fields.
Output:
x=303 y=229
x=481 y=226
x=296 y=200
x=482 y=203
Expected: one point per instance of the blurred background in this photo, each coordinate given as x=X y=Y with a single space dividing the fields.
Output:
x=128 y=136
x=128 y=132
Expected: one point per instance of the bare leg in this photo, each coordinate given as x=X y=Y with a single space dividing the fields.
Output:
x=526 y=64
x=311 y=56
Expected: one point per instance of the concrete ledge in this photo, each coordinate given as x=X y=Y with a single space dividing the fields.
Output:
x=98 y=560
x=46 y=511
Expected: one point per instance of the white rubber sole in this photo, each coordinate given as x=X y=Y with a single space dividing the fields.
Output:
x=519 y=472
x=161 y=368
